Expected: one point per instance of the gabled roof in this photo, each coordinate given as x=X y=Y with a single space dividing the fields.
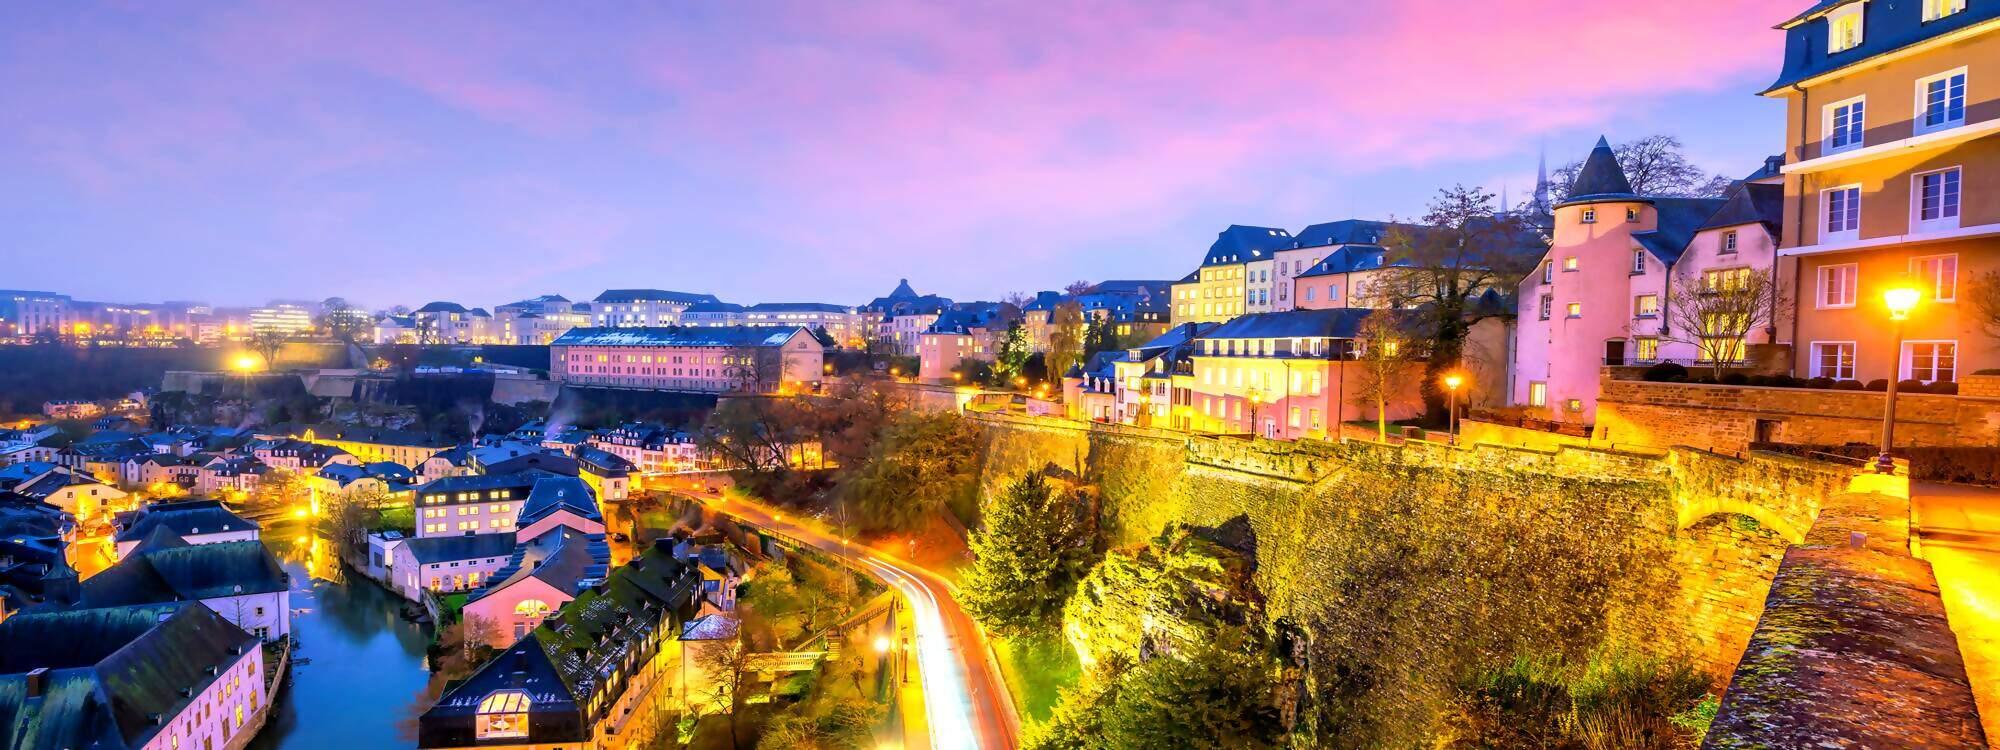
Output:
x=1678 y=220
x=1350 y=259
x=173 y=570
x=1242 y=243
x=902 y=290
x=525 y=668
x=442 y=307
x=185 y=518
x=111 y=672
x=1601 y=179
x=552 y=494
x=431 y=550
x=1750 y=203
x=472 y=482
x=1348 y=232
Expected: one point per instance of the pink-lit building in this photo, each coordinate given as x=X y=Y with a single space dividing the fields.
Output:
x=739 y=359
x=955 y=337
x=1601 y=294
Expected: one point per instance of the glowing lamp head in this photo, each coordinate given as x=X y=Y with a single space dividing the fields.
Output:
x=881 y=645
x=1453 y=381
x=1256 y=398
x=1900 y=300
x=246 y=363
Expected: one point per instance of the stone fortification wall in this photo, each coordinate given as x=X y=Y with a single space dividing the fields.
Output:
x=1410 y=566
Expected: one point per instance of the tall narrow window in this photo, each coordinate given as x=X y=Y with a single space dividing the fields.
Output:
x=1548 y=303
x=1843 y=213
x=1548 y=272
x=1638 y=261
x=1538 y=393
x=1646 y=306
x=1937 y=199
x=1940 y=273
x=1941 y=99
x=1728 y=242
x=1846 y=126
x=1648 y=348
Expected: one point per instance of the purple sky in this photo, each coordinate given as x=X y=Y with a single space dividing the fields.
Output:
x=763 y=151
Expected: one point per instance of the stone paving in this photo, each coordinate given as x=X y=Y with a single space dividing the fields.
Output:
x=1959 y=533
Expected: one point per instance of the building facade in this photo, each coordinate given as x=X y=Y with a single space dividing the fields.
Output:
x=740 y=359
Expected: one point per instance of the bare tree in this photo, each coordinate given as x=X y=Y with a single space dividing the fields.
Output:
x=727 y=668
x=1983 y=292
x=267 y=344
x=1717 y=311
x=1655 y=165
x=745 y=369
x=1460 y=253
x=341 y=321
x=1386 y=353
x=1066 y=331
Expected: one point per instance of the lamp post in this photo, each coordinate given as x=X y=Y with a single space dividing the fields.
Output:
x=1255 y=400
x=1900 y=301
x=1451 y=384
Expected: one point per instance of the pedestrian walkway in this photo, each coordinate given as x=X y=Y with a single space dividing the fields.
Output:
x=1959 y=531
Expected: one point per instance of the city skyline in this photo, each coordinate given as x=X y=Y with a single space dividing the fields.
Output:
x=307 y=150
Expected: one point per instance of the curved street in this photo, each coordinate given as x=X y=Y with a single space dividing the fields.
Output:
x=966 y=699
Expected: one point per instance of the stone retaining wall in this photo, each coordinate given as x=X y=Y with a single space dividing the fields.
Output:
x=1726 y=417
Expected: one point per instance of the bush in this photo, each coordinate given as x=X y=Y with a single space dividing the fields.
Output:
x=1913 y=386
x=1822 y=382
x=1946 y=387
x=1733 y=378
x=1878 y=385
x=1847 y=385
x=1665 y=372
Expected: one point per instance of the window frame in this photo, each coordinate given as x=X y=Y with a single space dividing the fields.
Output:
x=1589 y=216
x=1827 y=233
x=1935 y=282
x=1572 y=310
x=1922 y=108
x=1942 y=223
x=1839 y=15
x=1538 y=393
x=1827 y=128
x=1639 y=310
x=1638 y=261
x=1730 y=243
x=1572 y=264
x=1958 y=6
x=1906 y=360
x=1813 y=359
x=1849 y=288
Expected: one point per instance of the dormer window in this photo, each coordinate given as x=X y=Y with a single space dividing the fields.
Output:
x=1843 y=28
x=1590 y=216
x=503 y=714
x=1631 y=214
x=1936 y=9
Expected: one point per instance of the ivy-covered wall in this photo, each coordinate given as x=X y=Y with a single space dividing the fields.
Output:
x=1411 y=567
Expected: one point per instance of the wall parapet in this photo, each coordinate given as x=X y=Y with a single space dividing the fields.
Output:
x=1731 y=417
x=1853 y=648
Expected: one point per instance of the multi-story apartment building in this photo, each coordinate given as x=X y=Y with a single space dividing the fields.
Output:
x=641 y=308
x=842 y=324
x=25 y=313
x=1234 y=277
x=477 y=504
x=1355 y=245
x=741 y=359
x=958 y=336
x=650 y=447
x=1893 y=179
x=282 y=317
x=1283 y=375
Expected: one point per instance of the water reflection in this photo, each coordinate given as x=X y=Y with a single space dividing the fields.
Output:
x=364 y=663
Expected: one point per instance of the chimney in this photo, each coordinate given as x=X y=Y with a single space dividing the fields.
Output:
x=38 y=681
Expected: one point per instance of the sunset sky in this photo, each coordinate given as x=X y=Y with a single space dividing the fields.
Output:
x=238 y=152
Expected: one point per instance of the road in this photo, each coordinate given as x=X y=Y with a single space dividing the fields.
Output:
x=1960 y=530
x=966 y=699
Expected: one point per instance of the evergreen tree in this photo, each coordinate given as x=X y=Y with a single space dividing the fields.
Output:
x=1027 y=558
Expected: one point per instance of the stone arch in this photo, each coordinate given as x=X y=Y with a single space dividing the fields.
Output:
x=1695 y=512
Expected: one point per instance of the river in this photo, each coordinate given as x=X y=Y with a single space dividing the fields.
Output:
x=362 y=662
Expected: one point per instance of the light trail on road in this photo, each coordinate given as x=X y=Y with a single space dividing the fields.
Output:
x=966 y=701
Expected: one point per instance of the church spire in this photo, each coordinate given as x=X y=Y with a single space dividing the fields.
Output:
x=1542 y=181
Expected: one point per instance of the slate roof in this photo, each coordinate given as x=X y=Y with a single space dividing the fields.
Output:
x=163 y=568
x=1348 y=232
x=1337 y=323
x=653 y=295
x=1601 y=178
x=482 y=482
x=825 y=307
x=431 y=550
x=565 y=561
x=1751 y=203
x=55 y=481
x=722 y=336
x=111 y=671
x=442 y=307
x=710 y=627
x=602 y=462
x=554 y=715
x=1350 y=259
x=1886 y=27
x=1242 y=243
x=552 y=494
x=186 y=518
x=710 y=307
x=371 y=435
x=963 y=321
x=1678 y=220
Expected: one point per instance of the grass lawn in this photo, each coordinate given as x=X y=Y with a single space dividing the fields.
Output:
x=395 y=518
x=1037 y=669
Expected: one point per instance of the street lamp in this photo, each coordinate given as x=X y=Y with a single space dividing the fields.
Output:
x=1451 y=384
x=1900 y=300
x=1255 y=399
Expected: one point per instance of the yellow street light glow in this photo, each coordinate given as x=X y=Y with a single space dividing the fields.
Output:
x=1900 y=300
x=881 y=645
x=246 y=362
x=1453 y=381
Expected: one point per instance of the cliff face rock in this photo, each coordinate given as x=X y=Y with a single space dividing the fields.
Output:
x=1161 y=597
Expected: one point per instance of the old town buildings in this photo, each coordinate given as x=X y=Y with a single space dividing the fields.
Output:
x=741 y=359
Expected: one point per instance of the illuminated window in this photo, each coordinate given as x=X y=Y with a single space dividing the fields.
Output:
x=1940 y=272
x=1538 y=394
x=1930 y=361
x=1646 y=306
x=1575 y=310
x=1843 y=28
x=1575 y=404
x=1936 y=9
x=1833 y=359
x=503 y=714
x=1648 y=348
x=1571 y=263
